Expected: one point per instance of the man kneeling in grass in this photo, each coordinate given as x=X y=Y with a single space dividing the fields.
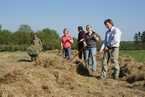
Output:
x=36 y=47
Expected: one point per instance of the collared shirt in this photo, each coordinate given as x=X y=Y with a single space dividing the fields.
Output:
x=112 y=38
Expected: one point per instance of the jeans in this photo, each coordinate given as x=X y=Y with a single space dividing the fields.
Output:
x=67 y=53
x=90 y=58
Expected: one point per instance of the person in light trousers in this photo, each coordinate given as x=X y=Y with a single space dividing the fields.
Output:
x=110 y=48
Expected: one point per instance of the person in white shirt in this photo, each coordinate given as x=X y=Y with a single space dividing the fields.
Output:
x=110 y=48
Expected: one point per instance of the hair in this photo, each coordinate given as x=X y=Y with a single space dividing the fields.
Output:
x=80 y=28
x=88 y=26
x=109 y=21
x=65 y=29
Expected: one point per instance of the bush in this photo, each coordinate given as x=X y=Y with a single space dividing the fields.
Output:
x=22 y=38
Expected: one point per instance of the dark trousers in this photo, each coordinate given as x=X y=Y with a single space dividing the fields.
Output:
x=81 y=51
x=67 y=53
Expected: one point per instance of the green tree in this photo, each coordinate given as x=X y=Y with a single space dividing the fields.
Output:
x=50 y=38
x=139 y=39
x=0 y=27
x=5 y=37
x=143 y=37
x=23 y=35
x=25 y=28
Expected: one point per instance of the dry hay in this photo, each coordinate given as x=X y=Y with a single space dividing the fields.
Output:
x=53 y=78
x=132 y=66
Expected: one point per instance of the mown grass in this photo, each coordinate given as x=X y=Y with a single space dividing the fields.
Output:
x=138 y=55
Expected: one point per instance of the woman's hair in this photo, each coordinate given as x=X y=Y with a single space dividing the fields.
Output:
x=64 y=30
x=80 y=28
x=109 y=21
x=88 y=26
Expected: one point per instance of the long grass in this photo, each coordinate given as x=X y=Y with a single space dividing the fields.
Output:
x=138 y=55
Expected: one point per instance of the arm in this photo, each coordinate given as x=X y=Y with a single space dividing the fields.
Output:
x=40 y=42
x=96 y=37
x=41 y=45
x=83 y=37
x=70 y=39
x=103 y=47
x=61 y=44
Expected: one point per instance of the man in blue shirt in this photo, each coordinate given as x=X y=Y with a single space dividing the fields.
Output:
x=110 y=48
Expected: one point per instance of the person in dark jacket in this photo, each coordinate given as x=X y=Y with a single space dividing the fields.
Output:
x=81 y=38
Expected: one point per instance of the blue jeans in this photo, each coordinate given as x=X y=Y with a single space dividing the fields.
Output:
x=90 y=58
x=67 y=53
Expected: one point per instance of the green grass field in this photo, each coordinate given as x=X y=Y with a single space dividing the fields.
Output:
x=138 y=55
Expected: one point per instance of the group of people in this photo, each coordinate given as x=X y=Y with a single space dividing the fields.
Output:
x=87 y=47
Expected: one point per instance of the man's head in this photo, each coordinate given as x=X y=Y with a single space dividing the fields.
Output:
x=108 y=23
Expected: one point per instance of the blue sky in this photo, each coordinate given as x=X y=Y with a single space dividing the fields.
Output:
x=128 y=15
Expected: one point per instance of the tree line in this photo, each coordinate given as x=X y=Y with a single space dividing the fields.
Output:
x=22 y=38
x=139 y=40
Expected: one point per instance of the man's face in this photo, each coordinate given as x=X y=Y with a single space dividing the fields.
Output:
x=108 y=25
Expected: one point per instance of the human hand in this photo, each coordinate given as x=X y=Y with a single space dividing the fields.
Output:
x=106 y=49
x=85 y=44
x=81 y=40
x=96 y=37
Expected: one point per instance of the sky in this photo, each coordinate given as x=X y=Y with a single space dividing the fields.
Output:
x=128 y=15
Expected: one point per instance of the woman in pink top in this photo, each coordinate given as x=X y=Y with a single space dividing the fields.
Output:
x=66 y=43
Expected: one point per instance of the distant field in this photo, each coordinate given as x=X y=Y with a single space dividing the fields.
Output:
x=138 y=55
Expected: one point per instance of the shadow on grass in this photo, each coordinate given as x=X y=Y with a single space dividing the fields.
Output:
x=82 y=70
x=24 y=60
